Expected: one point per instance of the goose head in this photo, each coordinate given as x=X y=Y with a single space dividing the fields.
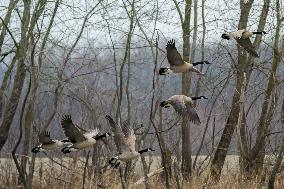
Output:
x=225 y=36
x=150 y=150
x=37 y=149
x=165 y=104
x=68 y=149
x=165 y=71
x=113 y=162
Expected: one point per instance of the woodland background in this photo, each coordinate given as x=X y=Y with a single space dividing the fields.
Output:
x=91 y=58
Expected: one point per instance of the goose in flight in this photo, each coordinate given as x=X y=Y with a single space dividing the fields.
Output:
x=128 y=151
x=183 y=105
x=177 y=65
x=46 y=143
x=79 y=138
x=243 y=39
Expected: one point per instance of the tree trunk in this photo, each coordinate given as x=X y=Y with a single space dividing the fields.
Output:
x=198 y=83
x=279 y=159
x=131 y=16
x=18 y=79
x=12 y=5
x=186 y=80
x=7 y=74
x=258 y=150
x=223 y=145
x=29 y=116
x=244 y=65
x=244 y=160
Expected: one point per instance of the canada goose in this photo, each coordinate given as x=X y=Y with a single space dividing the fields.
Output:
x=177 y=65
x=183 y=105
x=242 y=38
x=79 y=138
x=128 y=152
x=46 y=143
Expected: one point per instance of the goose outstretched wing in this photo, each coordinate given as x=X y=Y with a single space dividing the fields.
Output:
x=118 y=136
x=44 y=138
x=73 y=133
x=129 y=136
x=247 y=45
x=184 y=107
x=173 y=56
x=191 y=113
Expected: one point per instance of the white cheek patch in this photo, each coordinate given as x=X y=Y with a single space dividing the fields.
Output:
x=169 y=71
x=41 y=149
x=168 y=105
x=71 y=148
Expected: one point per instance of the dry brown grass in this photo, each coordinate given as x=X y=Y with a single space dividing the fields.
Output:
x=69 y=175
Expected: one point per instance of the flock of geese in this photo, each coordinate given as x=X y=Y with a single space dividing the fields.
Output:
x=78 y=138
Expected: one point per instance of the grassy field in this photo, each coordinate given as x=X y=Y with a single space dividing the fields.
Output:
x=68 y=173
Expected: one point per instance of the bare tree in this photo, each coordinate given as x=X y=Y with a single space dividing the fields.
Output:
x=186 y=79
x=279 y=159
x=243 y=65
x=19 y=77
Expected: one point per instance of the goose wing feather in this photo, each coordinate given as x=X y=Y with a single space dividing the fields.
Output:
x=44 y=138
x=247 y=45
x=173 y=56
x=118 y=135
x=91 y=133
x=73 y=133
x=192 y=114
x=129 y=136
x=184 y=107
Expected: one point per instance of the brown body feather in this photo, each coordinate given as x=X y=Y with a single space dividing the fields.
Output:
x=183 y=105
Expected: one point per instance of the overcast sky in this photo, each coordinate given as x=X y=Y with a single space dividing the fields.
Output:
x=221 y=15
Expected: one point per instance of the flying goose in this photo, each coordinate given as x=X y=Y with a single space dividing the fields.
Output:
x=183 y=105
x=46 y=143
x=128 y=151
x=79 y=138
x=177 y=65
x=242 y=38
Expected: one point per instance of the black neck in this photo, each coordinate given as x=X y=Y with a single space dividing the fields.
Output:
x=65 y=140
x=198 y=97
x=202 y=62
x=258 y=33
x=142 y=151
x=100 y=136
